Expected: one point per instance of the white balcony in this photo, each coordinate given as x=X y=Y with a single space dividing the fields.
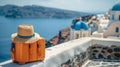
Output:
x=66 y=53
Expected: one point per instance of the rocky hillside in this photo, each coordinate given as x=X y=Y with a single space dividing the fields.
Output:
x=34 y=11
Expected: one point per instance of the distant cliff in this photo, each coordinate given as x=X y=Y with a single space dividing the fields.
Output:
x=34 y=11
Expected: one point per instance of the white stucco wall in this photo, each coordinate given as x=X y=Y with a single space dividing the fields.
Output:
x=111 y=31
x=97 y=34
x=59 y=54
x=80 y=33
x=116 y=15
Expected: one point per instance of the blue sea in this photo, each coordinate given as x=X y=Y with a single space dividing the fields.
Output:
x=46 y=27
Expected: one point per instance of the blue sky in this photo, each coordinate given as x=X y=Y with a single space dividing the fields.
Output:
x=76 y=5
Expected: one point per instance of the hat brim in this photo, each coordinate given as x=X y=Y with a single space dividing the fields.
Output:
x=16 y=39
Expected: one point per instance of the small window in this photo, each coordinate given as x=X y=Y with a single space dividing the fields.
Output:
x=112 y=17
x=117 y=30
x=119 y=17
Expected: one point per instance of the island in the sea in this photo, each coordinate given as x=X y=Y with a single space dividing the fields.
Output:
x=34 y=11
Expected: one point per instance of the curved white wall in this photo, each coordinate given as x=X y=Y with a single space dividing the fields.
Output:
x=112 y=30
x=57 y=55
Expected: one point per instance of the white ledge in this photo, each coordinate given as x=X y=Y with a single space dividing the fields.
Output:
x=61 y=53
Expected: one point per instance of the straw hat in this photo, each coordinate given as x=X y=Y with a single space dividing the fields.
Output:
x=25 y=34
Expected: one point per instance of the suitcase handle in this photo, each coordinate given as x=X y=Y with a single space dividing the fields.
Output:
x=38 y=45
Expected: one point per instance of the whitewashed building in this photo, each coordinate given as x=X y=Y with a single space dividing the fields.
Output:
x=114 y=24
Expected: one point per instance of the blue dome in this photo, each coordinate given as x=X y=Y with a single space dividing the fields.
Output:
x=80 y=25
x=116 y=7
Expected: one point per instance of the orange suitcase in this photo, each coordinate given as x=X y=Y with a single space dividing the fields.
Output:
x=28 y=52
